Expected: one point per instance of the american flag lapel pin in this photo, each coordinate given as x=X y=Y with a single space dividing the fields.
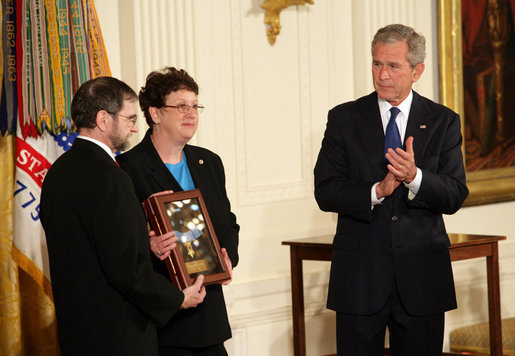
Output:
x=423 y=126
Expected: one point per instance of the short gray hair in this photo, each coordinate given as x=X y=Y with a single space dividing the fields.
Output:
x=397 y=32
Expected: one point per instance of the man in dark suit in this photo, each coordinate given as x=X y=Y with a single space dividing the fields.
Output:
x=107 y=295
x=391 y=265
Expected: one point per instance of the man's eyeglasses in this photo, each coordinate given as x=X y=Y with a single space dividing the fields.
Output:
x=132 y=119
x=183 y=108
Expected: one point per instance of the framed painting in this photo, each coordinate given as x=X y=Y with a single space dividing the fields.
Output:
x=197 y=251
x=477 y=79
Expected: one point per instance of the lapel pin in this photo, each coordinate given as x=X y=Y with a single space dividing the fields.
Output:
x=422 y=126
x=201 y=161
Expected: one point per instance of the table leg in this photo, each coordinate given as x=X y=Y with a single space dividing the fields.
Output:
x=494 y=301
x=297 y=296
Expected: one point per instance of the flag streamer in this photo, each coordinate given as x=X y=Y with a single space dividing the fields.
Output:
x=8 y=103
x=49 y=48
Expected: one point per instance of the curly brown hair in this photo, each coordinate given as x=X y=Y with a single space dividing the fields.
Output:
x=159 y=84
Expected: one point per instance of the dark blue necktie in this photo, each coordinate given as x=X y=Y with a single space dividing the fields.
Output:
x=392 y=139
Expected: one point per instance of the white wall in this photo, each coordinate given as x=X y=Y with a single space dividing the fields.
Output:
x=265 y=116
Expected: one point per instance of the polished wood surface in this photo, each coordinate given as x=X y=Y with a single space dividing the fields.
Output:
x=463 y=246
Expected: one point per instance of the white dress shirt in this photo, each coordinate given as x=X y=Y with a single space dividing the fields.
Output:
x=402 y=122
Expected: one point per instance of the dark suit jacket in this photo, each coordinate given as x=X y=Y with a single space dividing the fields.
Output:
x=105 y=289
x=401 y=239
x=207 y=324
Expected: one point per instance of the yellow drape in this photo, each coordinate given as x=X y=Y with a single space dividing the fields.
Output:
x=27 y=315
x=10 y=320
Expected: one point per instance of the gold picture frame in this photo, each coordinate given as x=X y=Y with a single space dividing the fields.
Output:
x=486 y=185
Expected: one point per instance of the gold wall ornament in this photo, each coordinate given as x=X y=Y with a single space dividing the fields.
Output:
x=272 y=10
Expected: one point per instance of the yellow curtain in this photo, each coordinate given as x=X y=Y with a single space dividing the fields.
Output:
x=10 y=316
x=38 y=322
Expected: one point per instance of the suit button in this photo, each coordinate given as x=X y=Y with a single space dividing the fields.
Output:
x=395 y=218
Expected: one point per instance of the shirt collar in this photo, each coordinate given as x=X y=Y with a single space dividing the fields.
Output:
x=101 y=144
x=404 y=107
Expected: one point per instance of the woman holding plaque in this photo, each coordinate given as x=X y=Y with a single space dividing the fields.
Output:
x=164 y=160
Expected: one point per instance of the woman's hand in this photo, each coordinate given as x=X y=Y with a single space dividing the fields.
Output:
x=194 y=294
x=162 y=245
x=229 y=265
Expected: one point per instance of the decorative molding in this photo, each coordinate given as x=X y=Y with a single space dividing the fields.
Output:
x=305 y=86
x=168 y=28
x=273 y=294
x=242 y=324
x=315 y=286
x=301 y=188
x=239 y=104
x=163 y=35
x=270 y=316
x=273 y=9
x=378 y=13
x=237 y=345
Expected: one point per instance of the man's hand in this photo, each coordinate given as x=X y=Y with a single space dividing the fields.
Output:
x=402 y=163
x=194 y=294
x=162 y=245
x=229 y=265
x=387 y=186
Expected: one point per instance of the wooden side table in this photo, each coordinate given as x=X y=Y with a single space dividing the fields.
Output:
x=463 y=246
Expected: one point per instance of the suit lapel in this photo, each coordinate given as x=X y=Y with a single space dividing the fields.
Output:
x=159 y=173
x=162 y=176
x=371 y=131
x=419 y=125
x=196 y=165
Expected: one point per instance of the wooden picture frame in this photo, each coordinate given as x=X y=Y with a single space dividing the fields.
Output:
x=485 y=185
x=197 y=251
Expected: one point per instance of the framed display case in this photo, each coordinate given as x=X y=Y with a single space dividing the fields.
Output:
x=197 y=251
